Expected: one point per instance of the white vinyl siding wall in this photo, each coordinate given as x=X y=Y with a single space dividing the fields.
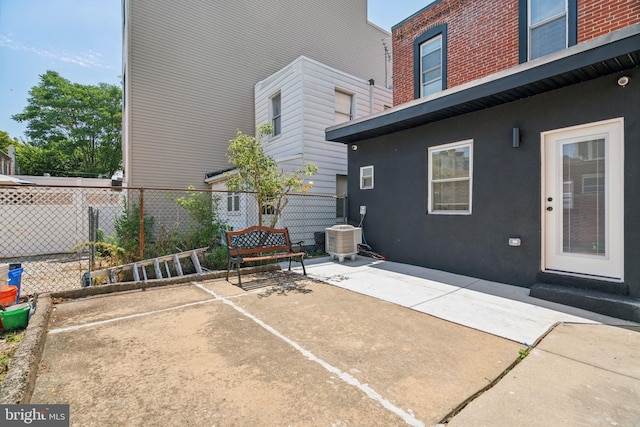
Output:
x=191 y=68
x=308 y=91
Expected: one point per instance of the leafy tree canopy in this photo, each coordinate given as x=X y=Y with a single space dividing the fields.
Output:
x=258 y=173
x=74 y=129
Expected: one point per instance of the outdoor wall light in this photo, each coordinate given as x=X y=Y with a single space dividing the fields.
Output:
x=515 y=137
x=623 y=81
x=354 y=147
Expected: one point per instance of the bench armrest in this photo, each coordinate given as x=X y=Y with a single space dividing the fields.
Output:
x=230 y=250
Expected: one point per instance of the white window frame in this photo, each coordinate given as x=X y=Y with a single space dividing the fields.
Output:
x=531 y=27
x=364 y=186
x=431 y=181
x=272 y=116
x=343 y=113
x=433 y=39
x=234 y=199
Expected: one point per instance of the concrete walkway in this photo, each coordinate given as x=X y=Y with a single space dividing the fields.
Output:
x=496 y=308
x=584 y=369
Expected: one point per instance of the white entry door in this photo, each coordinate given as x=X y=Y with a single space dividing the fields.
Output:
x=582 y=206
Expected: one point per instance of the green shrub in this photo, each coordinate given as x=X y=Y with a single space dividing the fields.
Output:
x=127 y=228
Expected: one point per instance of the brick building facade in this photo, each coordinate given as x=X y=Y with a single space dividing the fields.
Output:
x=481 y=37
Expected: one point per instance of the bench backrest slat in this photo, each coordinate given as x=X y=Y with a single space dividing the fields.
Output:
x=258 y=239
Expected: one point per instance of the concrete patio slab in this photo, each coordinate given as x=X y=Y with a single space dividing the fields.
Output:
x=496 y=308
x=110 y=306
x=211 y=354
x=610 y=348
x=580 y=375
x=515 y=320
x=405 y=355
x=405 y=293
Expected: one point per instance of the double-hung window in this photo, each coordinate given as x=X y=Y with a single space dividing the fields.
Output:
x=344 y=107
x=546 y=26
x=430 y=62
x=450 y=178
x=431 y=66
x=233 y=202
x=366 y=177
x=276 y=114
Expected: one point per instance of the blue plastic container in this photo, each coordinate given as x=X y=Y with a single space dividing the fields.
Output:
x=15 y=278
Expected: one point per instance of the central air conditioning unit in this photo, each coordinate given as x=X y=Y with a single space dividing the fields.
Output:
x=342 y=240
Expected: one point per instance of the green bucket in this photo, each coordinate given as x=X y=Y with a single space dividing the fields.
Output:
x=15 y=317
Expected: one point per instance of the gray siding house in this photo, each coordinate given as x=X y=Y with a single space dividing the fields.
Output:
x=190 y=69
x=301 y=100
x=312 y=97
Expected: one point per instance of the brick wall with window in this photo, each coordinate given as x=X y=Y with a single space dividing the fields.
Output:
x=484 y=36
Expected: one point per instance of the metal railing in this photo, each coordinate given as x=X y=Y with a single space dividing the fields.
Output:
x=59 y=233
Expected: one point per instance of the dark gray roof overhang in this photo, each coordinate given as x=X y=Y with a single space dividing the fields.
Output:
x=599 y=57
x=210 y=175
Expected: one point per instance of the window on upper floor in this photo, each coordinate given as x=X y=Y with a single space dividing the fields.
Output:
x=275 y=111
x=431 y=66
x=430 y=62
x=450 y=178
x=546 y=26
x=344 y=107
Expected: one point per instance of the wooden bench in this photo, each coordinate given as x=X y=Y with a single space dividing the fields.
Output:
x=259 y=243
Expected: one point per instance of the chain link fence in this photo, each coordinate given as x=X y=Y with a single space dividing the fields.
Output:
x=58 y=234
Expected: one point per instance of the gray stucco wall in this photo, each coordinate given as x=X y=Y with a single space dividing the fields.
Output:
x=506 y=184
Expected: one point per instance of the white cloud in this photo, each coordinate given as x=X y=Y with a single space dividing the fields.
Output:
x=90 y=59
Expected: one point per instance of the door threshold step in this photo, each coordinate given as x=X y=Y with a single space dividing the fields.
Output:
x=590 y=283
x=614 y=305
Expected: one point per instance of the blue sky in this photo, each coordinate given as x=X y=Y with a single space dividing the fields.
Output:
x=82 y=40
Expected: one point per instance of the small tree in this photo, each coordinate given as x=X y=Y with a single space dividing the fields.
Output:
x=258 y=173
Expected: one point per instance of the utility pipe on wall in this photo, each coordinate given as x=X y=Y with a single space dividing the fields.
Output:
x=371 y=83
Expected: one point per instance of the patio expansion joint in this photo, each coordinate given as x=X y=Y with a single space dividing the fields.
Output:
x=458 y=289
